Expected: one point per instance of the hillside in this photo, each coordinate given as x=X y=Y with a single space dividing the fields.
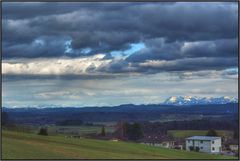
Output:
x=32 y=146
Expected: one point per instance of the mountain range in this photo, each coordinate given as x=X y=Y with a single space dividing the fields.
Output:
x=193 y=100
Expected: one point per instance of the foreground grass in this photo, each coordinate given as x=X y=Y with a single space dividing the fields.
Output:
x=32 y=146
x=188 y=133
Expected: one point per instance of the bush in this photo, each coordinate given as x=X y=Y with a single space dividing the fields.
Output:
x=103 y=131
x=191 y=148
x=43 y=131
x=212 y=132
x=133 y=131
x=197 y=149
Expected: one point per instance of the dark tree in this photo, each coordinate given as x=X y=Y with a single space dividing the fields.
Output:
x=103 y=131
x=69 y=122
x=212 y=132
x=133 y=131
x=43 y=131
x=235 y=134
x=120 y=130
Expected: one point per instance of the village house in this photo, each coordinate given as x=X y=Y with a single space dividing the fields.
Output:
x=231 y=145
x=208 y=144
x=158 y=140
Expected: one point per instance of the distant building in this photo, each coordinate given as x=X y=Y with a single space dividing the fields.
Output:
x=231 y=145
x=208 y=144
x=158 y=140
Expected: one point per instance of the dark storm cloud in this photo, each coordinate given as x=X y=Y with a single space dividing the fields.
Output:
x=190 y=64
x=41 y=47
x=105 y=27
x=19 y=10
x=158 y=49
x=178 y=65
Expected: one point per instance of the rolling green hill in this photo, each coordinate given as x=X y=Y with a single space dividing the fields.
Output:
x=32 y=146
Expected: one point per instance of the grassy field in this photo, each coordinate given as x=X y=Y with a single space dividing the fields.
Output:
x=31 y=146
x=188 y=133
x=81 y=129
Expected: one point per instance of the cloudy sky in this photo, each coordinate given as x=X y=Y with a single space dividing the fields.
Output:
x=97 y=54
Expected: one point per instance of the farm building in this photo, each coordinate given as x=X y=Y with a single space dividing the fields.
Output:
x=208 y=144
x=158 y=140
x=231 y=145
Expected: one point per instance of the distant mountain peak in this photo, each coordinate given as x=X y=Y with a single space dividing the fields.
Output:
x=193 y=100
x=173 y=99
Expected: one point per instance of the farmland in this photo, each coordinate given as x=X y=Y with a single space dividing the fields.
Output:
x=79 y=129
x=188 y=133
x=17 y=145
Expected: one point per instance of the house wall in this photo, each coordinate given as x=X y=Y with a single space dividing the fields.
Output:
x=205 y=145
x=217 y=145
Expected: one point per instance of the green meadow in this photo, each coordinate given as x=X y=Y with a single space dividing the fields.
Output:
x=188 y=133
x=18 y=145
x=80 y=129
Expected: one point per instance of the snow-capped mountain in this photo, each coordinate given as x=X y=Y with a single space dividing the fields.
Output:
x=192 y=100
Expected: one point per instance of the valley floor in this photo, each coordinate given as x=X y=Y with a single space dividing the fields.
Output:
x=31 y=146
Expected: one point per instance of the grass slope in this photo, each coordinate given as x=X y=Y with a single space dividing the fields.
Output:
x=32 y=146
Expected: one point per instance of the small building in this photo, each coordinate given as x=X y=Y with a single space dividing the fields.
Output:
x=114 y=139
x=178 y=144
x=231 y=145
x=207 y=144
x=158 y=140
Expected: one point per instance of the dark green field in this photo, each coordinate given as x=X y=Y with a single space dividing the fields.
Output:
x=32 y=146
x=188 y=133
x=81 y=130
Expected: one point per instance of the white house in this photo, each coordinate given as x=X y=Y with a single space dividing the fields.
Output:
x=208 y=144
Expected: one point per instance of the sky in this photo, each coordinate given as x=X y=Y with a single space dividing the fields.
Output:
x=106 y=54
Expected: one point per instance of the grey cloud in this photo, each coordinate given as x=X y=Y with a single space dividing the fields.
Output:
x=190 y=64
x=105 y=27
x=136 y=89
x=159 y=49
x=179 y=65
x=218 y=48
x=41 y=47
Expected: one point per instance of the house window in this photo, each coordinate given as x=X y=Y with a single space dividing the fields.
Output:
x=213 y=148
x=201 y=147
x=201 y=141
x=212 y=142
x=188 y=141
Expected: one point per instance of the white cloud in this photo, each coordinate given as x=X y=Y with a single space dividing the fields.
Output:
x=156 y=63
x=55 y=66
